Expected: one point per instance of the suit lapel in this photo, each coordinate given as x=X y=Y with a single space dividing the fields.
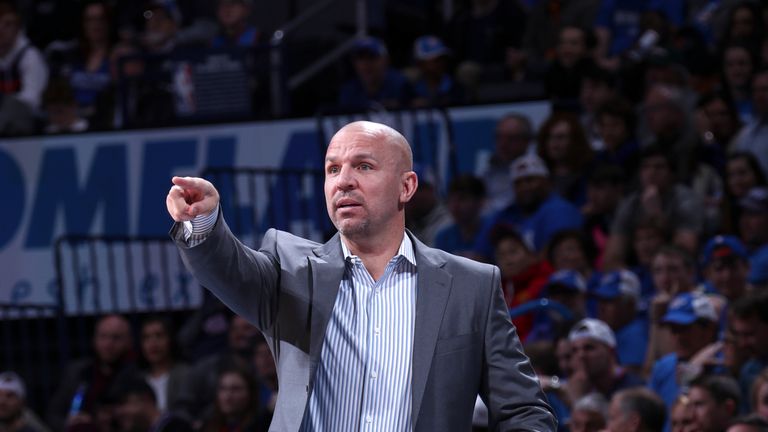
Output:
x=433 y=290
x=327 y=270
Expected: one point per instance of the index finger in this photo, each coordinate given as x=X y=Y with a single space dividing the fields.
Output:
x=188 y=182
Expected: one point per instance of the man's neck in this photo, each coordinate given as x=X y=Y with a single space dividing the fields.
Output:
x=374 y=252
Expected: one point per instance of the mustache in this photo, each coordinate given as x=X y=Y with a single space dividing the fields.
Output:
x=348 y=195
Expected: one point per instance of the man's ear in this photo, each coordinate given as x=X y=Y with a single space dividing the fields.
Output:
x=409 y=182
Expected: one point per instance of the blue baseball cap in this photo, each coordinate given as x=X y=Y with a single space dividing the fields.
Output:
x=723 y=246
x=569 y=279
x=618 y=283
x=429 y=47
x=756 y=200
x=369 y=46
x=687 y=308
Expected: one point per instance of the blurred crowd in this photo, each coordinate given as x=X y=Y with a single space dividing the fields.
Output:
x=630 y=227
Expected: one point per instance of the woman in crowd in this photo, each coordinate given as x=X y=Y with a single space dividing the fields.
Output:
x=237 y=406
x=563 y=145
x=160 y=364
x=742 y=173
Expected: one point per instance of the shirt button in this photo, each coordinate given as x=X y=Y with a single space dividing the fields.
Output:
x=374 y=374
x=368 y=418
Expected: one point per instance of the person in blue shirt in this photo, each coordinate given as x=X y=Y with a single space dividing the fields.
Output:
x=236 y=30
x=375 y=84
x=726 y=264
x=618 y=296
x=692 y=320
x=435 y=85
x=537 y=213
x=466 y=195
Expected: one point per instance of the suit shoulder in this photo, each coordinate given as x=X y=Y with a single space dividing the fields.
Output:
x=455 y=263
x=285 y=240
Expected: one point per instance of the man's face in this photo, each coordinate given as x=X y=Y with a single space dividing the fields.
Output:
x=655 y=171
x=592 y=356
x=512 y=257
x=242 y=334
x=615 y=312
x=512 y=139
x=530 y=191
x=740 y=177
x=670 y=275
x=132 y=414
x=749 y=334
x=737 y=66
x=620 y=421
x=231 y=13
x=155 y=343
x=661 y=115
x=370 y=68
x=604 y=197
x=9 y=30
x=681 y=418
x=708 y=415
x=690 y=338
x=367 y=182
x=11 y=406
x=112 y=339
x=728 y=275
x=586 y=421
x=720 y=119
x=571 y=47
x=95 y=22
x=613 y=130
x=559 y=141
x=754 y=227
x=646 y=242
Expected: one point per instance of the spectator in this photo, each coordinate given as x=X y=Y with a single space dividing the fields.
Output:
x=618 y=298
x=681 y=415
x=692 y=320
x=649 y=236
x=61 y=108
x=523 y=275
x=589 y=414
x=726 y=265
x=572 y=59
x=85 y=61
x=88 y=381
x=748 y=322
x=594 y=357
x=742 y=173
x=615 y=121
x=745 y=24
x=753 y=221
x=514 y=136
x=435 y=85
x=598 y=86
x=266 y=375
x=425 y=214
x=571 y=250
x=235 y=30
x=136 y=410
x=237 y=404
x=161 y=26
x=466 y=196
x=754 y=136
x=605 y=188
x=718 y=125
x=675 y=205
x=538 y=213
x=375 y=83
x=758 y=395
x=636 y=410
x=23 y=75
x=563 y=146
x=715 y=400
x=739 y=63
x=748 y=423
x=205 y=373
x=161 y=365
x=566 y=288
x=542 y=356
x=14 y=414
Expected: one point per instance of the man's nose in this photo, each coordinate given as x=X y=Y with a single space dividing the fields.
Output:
x=346 y=178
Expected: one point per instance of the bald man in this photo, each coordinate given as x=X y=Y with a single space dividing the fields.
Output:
x=372 y=330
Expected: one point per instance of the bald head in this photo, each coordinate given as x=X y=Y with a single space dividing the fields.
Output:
x=112 y=339
x=387 y=136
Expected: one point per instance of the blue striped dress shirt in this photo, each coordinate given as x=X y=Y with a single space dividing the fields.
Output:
x=363 y=381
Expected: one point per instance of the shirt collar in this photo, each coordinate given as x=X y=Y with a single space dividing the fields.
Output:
x=405 y=250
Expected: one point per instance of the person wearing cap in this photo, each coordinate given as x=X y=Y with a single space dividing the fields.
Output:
x=513 y=138
x=748 y=323
x=753 y=221
x=162 y=20
x=692 y=320
x=523 y=274
x=136 y=410
x=567 y=288
x=235 y=28
x=594 y=361
x=537 y=213
x=375 y=84
x=466 y=197
x=659 y=196
x=14 y=415
x=435 y=86
x=726 y=264
x=618 y=297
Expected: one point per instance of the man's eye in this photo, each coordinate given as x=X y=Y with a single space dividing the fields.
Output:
x=333 y=170
x=365 y=167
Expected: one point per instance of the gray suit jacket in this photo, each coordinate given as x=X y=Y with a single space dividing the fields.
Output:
x=464 y=342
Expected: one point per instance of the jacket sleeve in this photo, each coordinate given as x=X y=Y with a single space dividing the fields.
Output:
x=509 y=386
x=245 y=280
